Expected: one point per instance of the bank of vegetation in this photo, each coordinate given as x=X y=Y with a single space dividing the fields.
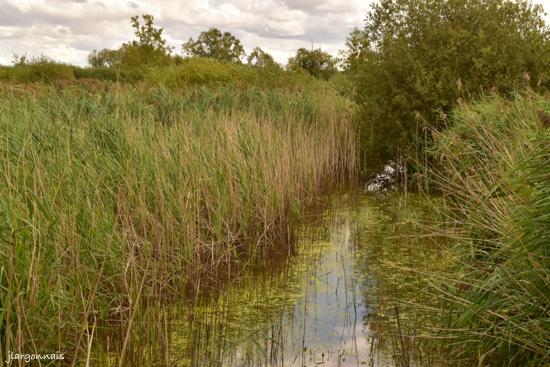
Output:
x=114 y=198
x=149 y=178
x=458 y=91
x=150 y=175
x=494 y=174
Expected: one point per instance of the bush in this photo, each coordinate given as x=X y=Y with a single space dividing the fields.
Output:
x=184 y=73
x=5 y=72
x=201 y=71
x=423 y=56
x=108 y=74
x=40 y=70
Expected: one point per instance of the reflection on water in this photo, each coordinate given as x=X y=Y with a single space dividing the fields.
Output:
x=312 y=311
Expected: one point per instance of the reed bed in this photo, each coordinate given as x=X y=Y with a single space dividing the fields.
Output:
x=112 y=199
x=494 y=174
x=488 y=291
x=463 y=275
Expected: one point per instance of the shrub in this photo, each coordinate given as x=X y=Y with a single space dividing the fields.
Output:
x=201 y=71
x=40 y=69
x=418 y=58
x=108 y=74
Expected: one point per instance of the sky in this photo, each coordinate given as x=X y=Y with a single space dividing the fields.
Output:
x=68 y=30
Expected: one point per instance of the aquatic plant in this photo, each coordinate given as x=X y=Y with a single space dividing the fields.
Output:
x=494 y=173
x=116 y=199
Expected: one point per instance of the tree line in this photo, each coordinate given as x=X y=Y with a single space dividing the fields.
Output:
x=150 y=48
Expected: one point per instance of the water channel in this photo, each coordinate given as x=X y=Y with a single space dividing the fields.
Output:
x=330 y=304
x=316 y=309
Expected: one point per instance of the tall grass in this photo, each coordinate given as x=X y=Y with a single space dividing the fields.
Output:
x=114 y=199
x=494 y=173
x=463 y=277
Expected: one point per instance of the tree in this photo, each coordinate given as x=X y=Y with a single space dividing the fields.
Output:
x=104 y=58
x=149 y=36
x=214 y=44
x=149 y=49
x=357 y=45
x=418 y=58
x=318 y=63
x=260 y=58
x=19 y=60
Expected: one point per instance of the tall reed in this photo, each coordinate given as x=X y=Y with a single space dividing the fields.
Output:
x=114 y=199
x=494 y=173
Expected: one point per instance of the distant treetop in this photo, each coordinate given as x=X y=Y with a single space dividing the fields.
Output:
x=317 y=62
x=214 y=44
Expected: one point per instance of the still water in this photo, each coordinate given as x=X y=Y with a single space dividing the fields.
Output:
x=313 y=310
x=347 y=296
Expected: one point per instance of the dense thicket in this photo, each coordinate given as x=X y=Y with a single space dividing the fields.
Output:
x=415 y=60
x=316 y=62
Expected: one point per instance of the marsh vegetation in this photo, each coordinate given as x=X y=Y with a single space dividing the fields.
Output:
x=199 y=210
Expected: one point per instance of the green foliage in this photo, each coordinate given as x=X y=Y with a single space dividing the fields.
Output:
x=148 y=36
x=5 y=73
x=262 y=59
x=214 y=44
x=150 y=48
x=316 y=62
x=134 y=56
x=494 y=171
x=108 y=74
x=208 y=72
x=343 y=83
x=201 y=71
x=104 y=194
x=356 y=50
x=416 y=59
x=104 y=58
x=39 y=69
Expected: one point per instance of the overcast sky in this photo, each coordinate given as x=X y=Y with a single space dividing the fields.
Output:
x=67 y=30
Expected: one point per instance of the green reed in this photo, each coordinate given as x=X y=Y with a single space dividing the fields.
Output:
x=113 y=199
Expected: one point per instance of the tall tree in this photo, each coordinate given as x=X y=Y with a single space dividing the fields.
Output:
x=148 y=36
x=316 y=62
x=149 y=48
x=216 y=45
x=418 y=58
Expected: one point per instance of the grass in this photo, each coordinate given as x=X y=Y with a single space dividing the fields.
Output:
x=495 y=176
x=115 y=198
x=478 y=294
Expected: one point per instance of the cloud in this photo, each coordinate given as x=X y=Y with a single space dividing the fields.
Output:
x=67 y=30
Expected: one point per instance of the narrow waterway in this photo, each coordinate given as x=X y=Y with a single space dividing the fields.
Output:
x=346 y=297
x=313 y=310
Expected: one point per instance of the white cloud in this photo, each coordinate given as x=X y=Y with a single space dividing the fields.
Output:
x=68 y=30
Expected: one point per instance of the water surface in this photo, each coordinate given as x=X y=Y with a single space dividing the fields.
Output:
x=311 y=311
x=347 y=296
